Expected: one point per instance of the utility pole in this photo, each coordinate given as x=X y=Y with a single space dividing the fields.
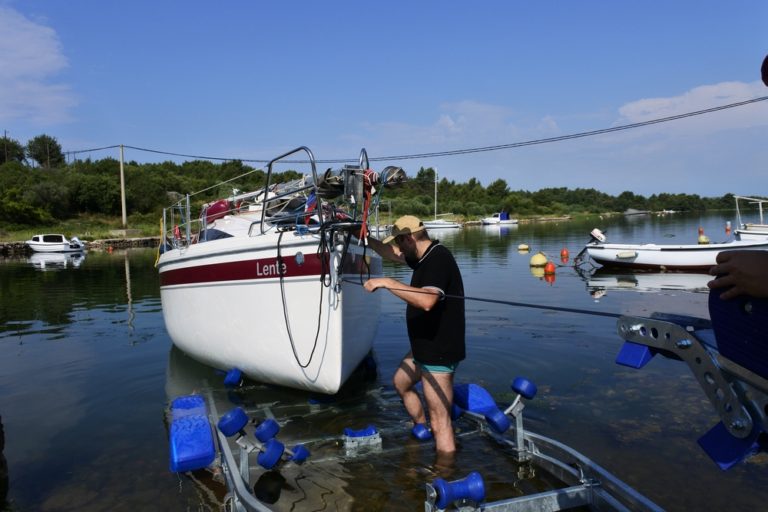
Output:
x=122 y=187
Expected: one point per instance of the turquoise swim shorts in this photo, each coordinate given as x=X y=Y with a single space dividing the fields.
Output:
x=436 y=368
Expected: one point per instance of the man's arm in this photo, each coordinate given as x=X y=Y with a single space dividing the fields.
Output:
x=421 y=298
x=386 y=251
x=746 y=272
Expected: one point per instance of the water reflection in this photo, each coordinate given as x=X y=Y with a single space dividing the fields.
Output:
x=33 y=300
x=3 y=468
x=600 y=281
x=85 y=349
x=500 y=230
x=47 y=261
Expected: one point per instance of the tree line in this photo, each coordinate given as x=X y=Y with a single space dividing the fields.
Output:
x=43 y=150
x=54 y=190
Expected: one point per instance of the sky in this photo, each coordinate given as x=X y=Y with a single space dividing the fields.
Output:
x=251 y=80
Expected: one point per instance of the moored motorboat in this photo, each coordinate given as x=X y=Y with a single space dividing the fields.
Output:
x=268 y=282
x=751 y=230
x=696 y=257
x=55 y=243
x=501 y=218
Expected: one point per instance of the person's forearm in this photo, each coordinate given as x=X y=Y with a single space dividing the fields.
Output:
x=421 y=298
x=385 y=250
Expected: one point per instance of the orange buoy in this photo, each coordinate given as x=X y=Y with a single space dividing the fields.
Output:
x=701 y=230
x=549 y=278
x=564 y=255
x=549 y=268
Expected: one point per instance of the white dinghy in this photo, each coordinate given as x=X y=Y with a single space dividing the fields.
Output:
x=691 y=257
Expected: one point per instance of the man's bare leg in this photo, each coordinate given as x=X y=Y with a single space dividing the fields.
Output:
x=438 y=393
x=406 y=376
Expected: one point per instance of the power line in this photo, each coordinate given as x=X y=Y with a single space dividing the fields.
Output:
x=455 y=152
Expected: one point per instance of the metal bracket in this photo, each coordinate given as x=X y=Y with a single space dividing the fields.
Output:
x=673 y=340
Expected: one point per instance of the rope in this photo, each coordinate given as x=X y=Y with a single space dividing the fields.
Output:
x=285 y=309
x=512 y=303
x=455 y=152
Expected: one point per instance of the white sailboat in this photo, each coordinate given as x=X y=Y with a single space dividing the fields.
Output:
x=439 y=223
x=263 y=281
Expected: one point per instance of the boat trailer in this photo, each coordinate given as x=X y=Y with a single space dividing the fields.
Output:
x=195 y=445
x=725 y=355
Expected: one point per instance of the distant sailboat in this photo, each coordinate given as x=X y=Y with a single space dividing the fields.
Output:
x=439 y=223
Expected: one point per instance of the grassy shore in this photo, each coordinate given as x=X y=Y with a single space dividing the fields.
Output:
x=85 y=227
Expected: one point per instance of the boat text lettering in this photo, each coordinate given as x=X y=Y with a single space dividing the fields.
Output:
x=270 y=269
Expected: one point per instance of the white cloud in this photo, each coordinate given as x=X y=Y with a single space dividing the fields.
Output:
x=657 y=158
x=458 y=125
x=702 y=98
x=30 y=54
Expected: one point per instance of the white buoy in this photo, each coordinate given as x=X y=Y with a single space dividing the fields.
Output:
x=538 y=260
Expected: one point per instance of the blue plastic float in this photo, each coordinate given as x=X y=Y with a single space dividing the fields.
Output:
x=191 y=441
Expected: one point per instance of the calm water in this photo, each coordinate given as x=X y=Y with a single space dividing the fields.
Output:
x=87 y=372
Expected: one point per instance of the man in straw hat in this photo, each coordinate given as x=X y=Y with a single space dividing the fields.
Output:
x=435 y=319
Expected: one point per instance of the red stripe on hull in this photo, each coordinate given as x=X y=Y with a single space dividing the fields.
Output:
x=266 y=268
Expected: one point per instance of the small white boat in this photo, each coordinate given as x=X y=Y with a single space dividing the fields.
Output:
x=55 y=243
x=629 y=212
x=751 y=230
x=500 y=218
x=440 y=224
x=697 y=257
x=268 y=282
